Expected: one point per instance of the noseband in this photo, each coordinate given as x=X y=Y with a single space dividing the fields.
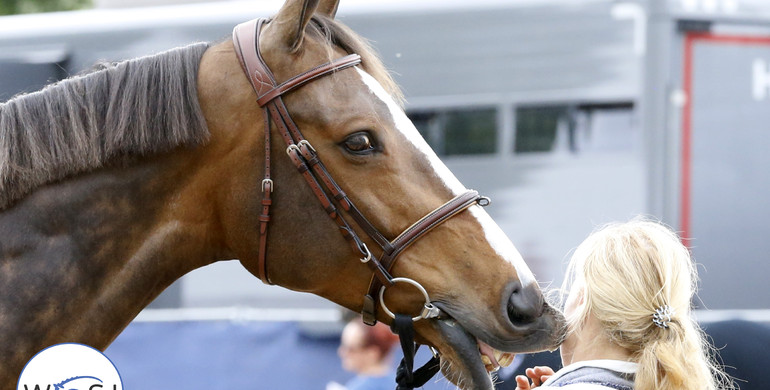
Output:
x=308 y=163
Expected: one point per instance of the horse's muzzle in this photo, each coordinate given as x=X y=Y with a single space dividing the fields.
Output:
x=525 y=305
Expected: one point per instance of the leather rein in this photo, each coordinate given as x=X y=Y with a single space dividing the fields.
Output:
x=308 y=163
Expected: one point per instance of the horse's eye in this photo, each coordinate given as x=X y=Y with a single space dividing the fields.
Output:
x=359 y=143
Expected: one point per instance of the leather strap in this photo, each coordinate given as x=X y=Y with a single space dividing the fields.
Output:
x=244 y=36
x=309 y=165
x=310 y=75
x=418 y=229
x=245 y=41
x=264 y=217
x=342 y=198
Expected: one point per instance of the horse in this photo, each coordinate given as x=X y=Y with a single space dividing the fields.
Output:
x=115 y=183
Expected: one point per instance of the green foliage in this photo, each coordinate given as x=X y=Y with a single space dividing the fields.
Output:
x=10 y=7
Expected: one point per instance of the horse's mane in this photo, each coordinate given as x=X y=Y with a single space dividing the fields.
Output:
x=110 y=116
x=338 y=35
x=121 y=111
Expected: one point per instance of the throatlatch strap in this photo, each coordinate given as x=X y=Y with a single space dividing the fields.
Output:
x=406 y=379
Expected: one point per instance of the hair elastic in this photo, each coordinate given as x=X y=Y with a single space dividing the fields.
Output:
x=662 y=316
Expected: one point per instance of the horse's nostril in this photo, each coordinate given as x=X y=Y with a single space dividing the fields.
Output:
x=525 y=304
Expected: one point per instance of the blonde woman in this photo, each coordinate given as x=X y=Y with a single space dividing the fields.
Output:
x=628 y=311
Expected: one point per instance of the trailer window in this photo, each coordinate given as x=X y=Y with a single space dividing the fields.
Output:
x=536 y=128
x=454 y=132
x=575 y=128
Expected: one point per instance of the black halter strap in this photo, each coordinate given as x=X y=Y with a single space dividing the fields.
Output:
x=406 y=378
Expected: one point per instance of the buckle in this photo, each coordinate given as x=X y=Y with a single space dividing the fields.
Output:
x=367 y=254
x=292 y=148
x=307 y=143
x=267 y=182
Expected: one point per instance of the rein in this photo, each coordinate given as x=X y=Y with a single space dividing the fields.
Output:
x=306 y=160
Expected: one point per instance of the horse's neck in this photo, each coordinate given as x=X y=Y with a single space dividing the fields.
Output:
x=81 y=258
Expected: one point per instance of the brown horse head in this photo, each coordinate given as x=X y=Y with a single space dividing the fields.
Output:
x=353 y=120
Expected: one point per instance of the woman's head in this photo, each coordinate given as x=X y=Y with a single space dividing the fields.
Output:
x=620 y=276
x=624 y=272
x=364 y=349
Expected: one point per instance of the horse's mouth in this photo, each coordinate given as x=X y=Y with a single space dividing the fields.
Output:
x=492 y=358
x=467 y=361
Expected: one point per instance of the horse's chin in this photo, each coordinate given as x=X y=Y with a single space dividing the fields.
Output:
x=460 y=358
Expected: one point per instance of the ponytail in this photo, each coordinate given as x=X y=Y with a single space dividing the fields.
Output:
x=674 y=358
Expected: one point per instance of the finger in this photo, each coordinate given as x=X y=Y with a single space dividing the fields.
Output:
x=535 y=380
x=530 y=375
x=522 y=383
x=530 y=371
x=543 y=371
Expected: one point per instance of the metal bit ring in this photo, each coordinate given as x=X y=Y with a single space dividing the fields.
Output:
x=428 y=311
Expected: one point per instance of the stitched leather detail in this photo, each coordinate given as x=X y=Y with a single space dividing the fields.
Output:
x=261 y=86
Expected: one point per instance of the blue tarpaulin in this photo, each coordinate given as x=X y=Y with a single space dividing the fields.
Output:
x=214 y=355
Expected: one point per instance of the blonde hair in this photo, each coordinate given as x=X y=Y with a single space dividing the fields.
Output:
x=626 y=272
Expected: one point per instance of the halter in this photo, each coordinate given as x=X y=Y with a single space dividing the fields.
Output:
x=308 y=163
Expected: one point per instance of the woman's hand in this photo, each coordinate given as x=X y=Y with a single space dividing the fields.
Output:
x=538 y=375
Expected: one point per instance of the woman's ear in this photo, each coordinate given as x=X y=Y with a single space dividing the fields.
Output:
x=575 y=301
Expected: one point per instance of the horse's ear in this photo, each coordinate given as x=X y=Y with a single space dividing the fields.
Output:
x=288 y=26
x=328 y=8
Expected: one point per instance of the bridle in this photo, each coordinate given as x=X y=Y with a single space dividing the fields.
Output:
x=308 y=163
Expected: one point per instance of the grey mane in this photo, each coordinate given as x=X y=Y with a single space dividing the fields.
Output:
x=120 y=112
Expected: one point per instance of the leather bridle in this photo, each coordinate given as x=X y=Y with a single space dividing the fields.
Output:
x=308 y=163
